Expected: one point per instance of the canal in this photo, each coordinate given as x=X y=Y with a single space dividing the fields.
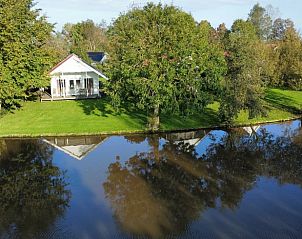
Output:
x=234 y=183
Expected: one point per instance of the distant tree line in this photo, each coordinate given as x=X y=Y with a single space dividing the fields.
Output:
x=159 y=59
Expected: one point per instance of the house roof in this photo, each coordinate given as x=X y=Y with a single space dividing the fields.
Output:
x=78 y=66
x=76 y=147
x=61 y=63
x=96 y=56
x=251 y=129
x=192 y=138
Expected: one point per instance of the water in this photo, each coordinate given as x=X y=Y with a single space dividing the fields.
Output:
x=239 y=183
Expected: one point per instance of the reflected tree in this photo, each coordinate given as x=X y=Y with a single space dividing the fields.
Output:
x=33 y=190
x=262 y=155
x=162 y=191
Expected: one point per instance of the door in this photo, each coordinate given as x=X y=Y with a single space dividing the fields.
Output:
x=89 y=86
x=61 y=86
x=78 y=87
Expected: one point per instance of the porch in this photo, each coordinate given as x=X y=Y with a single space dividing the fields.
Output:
x=47 y=97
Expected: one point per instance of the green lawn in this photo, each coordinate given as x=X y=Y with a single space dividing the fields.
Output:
x=97 y=117
x=69 y=117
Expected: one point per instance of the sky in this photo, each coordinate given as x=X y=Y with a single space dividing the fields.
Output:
x=215 y=11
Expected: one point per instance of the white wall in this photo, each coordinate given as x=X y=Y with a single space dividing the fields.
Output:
x=74 y=77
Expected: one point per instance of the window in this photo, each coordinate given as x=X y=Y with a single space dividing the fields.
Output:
x=71 y=84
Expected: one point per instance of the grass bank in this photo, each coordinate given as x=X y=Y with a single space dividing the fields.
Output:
x=87 y=117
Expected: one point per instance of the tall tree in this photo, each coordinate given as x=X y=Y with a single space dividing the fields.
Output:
x=261 y=20
x=270 y=73
x=221 y=33
x=58 y=47
x=23 y=55
x=243 y=85
x=290 y=60
x=86 y=36
x=161 y=61
x=279 y=28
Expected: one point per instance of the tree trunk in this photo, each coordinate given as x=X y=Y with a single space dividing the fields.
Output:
x=154 y=119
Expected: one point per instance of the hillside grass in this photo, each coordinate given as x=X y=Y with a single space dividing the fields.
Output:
x=87 y=117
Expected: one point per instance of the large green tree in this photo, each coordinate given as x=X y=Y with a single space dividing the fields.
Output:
x=162 y=61
x=244 y=84
x=24 y=60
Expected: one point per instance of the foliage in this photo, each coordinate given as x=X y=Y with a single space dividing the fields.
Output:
x=280 y=48
x=221 y=34
x=160 y=61
x=24 y=60
x=290 y=60
x=244 y=86
x=279 y=28
x=84 y=37
x=262 y=22
x=100 y=118
x=58 y=47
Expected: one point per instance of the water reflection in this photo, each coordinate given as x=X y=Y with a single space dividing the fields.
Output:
x=33 y=192
x=162 y=191
x=76 y=147
x=237 y=183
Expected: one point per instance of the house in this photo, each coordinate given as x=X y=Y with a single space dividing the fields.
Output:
x=76 y=147
x=73 y=78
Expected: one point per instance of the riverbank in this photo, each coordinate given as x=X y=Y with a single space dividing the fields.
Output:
x=91 y=117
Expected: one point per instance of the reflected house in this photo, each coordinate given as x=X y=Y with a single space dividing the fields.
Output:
x=76 y=147
x=190 y=138
x=251 y=129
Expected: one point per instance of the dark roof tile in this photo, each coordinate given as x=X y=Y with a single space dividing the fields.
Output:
x=96 y=56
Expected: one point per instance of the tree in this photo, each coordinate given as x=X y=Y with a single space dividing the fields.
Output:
x=244 y=87
x=221 y=33
x=24 y=61
x=279 y=28
x=261 y=20
x=161 y=61
x=290 y=60
x=270 y=73
x=57 y=47
x=84 y=37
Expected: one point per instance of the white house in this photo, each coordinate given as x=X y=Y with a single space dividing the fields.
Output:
x=73 y=78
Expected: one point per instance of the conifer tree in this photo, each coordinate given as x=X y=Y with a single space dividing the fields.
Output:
x=24 y=60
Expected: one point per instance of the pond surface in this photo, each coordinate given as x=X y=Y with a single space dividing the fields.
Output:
x=237 y=183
